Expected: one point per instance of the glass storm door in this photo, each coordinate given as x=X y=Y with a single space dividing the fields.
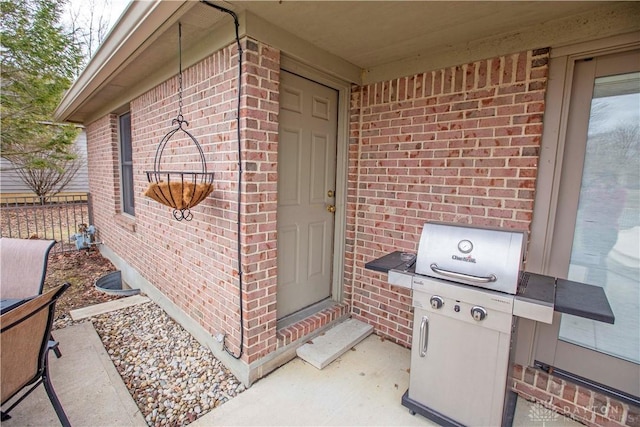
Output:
x=598 y=218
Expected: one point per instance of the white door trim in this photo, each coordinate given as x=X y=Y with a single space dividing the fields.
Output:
x=342 y=157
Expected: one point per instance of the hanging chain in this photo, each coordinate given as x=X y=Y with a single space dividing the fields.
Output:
x=180 y=117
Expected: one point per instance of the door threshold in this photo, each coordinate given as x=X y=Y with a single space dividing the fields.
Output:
x=304 y=313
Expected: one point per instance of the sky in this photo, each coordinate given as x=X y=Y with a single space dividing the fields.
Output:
x=113 y=8
x=103 y=10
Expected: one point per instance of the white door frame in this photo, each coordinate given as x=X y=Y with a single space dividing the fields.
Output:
x=342 y=159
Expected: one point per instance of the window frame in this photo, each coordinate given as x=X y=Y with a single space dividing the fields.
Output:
x=127 y=195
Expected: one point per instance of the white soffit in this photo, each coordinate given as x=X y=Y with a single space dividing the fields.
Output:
x=373 y=33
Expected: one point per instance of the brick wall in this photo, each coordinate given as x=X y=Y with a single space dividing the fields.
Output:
x=195 y=264
x=459 y=144
x=580 y=403
x=261 y=107
x=102 y=161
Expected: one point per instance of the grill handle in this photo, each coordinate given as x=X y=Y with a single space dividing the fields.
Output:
x=424 y=336
x=462 y=276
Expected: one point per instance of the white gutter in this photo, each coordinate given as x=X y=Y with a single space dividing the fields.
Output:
x=136 y=26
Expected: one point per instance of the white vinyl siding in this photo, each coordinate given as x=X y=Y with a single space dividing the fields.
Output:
x=10 y=182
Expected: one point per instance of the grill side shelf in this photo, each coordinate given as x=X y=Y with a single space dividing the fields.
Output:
x=583 y=300
x=399 y=272
x=578 y=299
x=388 y=262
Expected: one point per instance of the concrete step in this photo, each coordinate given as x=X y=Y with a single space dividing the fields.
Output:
x=327 y=347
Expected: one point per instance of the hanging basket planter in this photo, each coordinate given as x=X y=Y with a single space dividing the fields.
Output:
x=180 y=190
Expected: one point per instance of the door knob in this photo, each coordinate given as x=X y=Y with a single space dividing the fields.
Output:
x=331 y=208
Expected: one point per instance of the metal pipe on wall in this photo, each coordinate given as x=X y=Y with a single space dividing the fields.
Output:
x=240 y=170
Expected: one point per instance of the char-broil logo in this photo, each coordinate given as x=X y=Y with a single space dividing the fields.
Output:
x=467 y=258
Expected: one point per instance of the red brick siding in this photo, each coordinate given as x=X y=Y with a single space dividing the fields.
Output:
x=102 y=156
x=260 y=204
x=301 y=329
x=103 y=162
x=195 y=263
x=579 y=403
x=459 y=144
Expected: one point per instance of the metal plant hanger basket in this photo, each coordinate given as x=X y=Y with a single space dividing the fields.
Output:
x=180 y=190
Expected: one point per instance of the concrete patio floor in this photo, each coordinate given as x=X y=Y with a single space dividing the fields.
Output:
x=362 y=387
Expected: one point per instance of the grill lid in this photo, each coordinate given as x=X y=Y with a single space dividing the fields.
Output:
x=485 y=257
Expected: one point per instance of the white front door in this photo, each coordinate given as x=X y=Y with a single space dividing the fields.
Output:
x=306 y=192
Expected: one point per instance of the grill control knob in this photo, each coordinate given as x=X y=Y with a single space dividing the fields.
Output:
x=478 y=313
x=436 y=302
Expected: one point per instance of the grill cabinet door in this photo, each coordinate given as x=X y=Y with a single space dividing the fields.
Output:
x=463 y=372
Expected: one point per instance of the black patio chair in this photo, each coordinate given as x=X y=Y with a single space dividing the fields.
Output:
x=24 y=351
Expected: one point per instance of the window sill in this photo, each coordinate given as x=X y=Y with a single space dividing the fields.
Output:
x=125 y=221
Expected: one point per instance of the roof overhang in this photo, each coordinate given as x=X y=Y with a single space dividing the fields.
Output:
x=356 y=41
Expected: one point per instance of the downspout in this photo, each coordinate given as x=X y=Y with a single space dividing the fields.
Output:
x=237 y=24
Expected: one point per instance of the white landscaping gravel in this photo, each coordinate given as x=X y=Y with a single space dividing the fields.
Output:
x=172 y=377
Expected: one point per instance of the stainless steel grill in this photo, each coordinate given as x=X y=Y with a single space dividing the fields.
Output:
x=464 y=289
x=482 y=257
